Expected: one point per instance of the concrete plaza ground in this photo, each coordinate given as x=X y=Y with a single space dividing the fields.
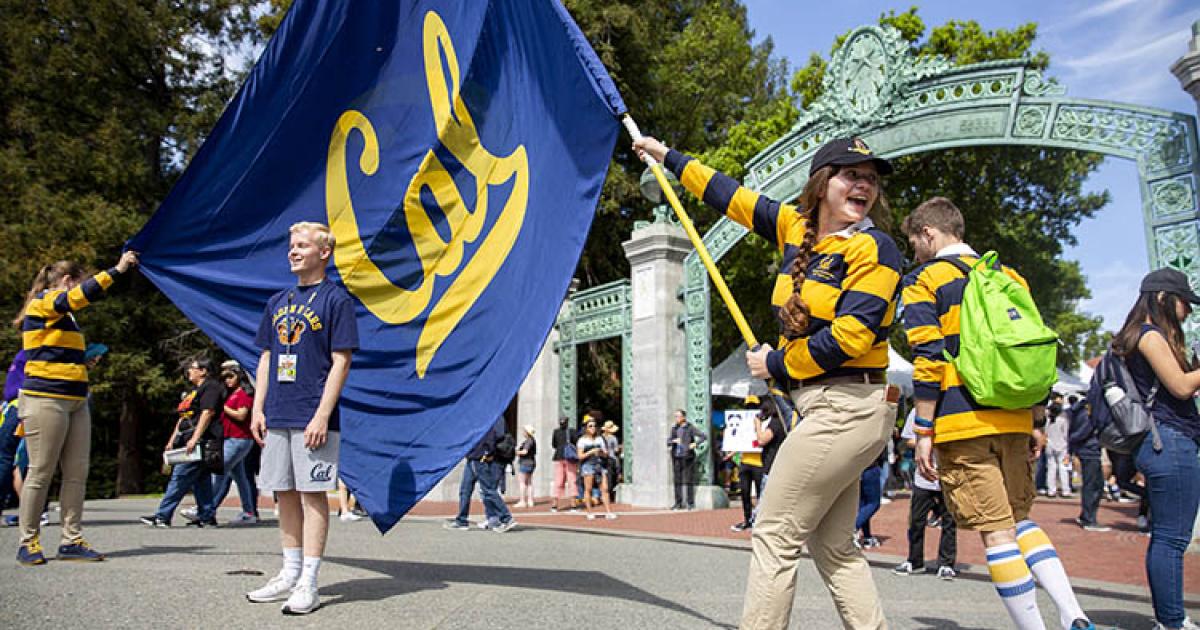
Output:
x=646 y=569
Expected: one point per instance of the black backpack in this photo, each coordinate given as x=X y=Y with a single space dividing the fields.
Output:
x=506 y=449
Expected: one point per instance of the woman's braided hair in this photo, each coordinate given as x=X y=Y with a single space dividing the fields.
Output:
x=795 y=314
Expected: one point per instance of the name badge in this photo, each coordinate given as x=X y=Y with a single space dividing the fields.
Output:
x=286 y=369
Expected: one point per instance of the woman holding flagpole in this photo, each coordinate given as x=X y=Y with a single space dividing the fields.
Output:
x=836 y=299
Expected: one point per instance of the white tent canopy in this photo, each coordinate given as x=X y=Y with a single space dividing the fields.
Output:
x=732 y=378
x=1069 y=383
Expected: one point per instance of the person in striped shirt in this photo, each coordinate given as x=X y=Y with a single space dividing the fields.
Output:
x=53 y=402
x=836 y=299
x=984 y=454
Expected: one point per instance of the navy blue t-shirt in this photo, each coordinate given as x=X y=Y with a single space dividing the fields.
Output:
x=311 y=322
x=1180 y=415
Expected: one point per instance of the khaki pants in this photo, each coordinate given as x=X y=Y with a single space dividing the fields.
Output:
x=58 y=433
x=812 y=498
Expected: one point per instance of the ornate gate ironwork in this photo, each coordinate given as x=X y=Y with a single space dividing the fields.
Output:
x=598 y=313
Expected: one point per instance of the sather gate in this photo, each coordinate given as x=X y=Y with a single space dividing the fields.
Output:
x=876 y=89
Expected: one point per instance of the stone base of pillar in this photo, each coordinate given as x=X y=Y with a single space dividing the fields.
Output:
x=659 y=496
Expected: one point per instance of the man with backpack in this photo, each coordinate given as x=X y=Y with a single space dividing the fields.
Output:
x=1085 y=445
x=485 y=465
x=982 y=361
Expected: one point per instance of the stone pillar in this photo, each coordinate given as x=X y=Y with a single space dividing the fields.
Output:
x=537 y=405
x=656 y=252
x=1187 y=68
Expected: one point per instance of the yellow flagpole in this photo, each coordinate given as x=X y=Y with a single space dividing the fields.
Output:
x=783 y=405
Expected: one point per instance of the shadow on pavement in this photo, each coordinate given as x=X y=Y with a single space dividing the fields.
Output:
x=1121 y=618
x=157 y=550
x=408 y=577
x=937 y=623
x=1079 y=590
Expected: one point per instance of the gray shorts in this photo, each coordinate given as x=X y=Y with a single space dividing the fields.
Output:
x=288 y=465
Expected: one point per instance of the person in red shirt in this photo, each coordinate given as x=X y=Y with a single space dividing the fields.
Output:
x=235 y=419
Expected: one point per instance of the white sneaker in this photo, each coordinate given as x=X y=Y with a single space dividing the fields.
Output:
x=349 y=517
x=304 y=599
x=503 y=527
x=190 y=512
x=243 y=519
x=278 y=589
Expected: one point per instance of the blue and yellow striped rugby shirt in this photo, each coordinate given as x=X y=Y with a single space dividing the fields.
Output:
x=851 y=287
x=932 y=295
x=54 y=344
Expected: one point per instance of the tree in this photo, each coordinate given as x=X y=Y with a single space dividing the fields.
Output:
x=101 y=104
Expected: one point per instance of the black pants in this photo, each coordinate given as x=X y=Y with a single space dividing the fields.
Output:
x=1093 y=485
x=685 y=473
x=924 y=501
x=748 y=475
x=1124 y=469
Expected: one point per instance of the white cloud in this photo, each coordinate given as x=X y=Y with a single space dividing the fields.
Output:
x=1090 y=13
x=1114 y=289
x=1121 y=50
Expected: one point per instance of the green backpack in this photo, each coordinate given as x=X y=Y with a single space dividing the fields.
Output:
x=1006 y=355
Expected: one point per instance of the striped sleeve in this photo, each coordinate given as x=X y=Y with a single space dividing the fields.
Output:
x=82 y=294
x=724 y=194
x=868 y=293
x=924 y=331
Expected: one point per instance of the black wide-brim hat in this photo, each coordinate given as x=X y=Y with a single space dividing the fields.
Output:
x=848 y=152
x=1170 y=281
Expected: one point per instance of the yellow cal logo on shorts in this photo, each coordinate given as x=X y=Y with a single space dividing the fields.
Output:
x=438 y=257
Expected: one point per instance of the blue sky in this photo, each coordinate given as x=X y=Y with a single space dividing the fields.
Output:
x=1118 y=50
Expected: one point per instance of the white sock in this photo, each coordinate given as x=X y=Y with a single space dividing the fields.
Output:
x=1015 y=585
x=291 y=563
x=311 y=567
x=1043 y=561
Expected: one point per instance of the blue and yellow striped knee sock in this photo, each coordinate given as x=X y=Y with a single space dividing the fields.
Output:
x=1014 y=584
x=1043 y=561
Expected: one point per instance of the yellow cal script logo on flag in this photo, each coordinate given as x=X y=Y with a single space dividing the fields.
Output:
x=438 y=257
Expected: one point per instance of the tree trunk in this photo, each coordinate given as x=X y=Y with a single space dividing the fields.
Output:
x=129 y=462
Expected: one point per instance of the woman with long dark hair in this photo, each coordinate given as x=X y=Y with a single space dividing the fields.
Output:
x=53 y=404
x=1156 y=353
x=836 y=299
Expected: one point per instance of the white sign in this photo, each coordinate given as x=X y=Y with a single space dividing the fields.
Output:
x=739 y=432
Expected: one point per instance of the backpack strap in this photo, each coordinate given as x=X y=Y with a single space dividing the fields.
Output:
x=957 y=262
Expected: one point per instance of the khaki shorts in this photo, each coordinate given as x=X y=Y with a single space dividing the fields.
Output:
x=987 y=480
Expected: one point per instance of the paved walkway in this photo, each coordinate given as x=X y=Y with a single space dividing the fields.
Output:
x=646 y=569
x=1117 y=556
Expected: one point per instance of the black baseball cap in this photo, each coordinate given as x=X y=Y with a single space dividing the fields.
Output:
x=1170 y=281
x=847 y=152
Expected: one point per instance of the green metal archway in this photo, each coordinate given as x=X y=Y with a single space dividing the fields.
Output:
x=601 y=312
x=900 y=104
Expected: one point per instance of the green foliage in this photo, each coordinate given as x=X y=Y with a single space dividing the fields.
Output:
x=101 y=103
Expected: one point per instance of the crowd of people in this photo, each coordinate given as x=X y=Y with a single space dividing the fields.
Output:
x=817 y=482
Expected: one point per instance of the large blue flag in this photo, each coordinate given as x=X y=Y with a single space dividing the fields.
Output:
x=457 y=150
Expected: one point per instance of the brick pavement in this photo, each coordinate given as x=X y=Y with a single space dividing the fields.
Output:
x=1116 y=557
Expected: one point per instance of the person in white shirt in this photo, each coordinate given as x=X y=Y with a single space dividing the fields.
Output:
x=1058 y=457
